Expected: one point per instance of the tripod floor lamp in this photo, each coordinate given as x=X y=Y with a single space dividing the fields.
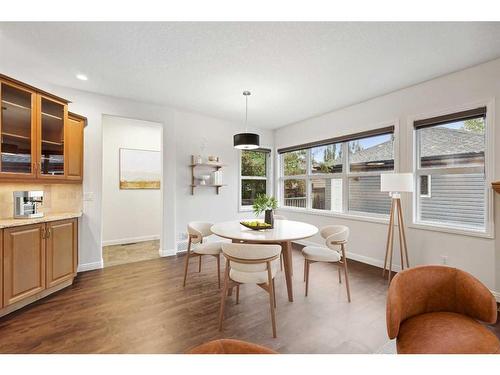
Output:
x=395 y=184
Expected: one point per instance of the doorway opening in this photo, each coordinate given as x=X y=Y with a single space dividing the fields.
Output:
x=132 y=190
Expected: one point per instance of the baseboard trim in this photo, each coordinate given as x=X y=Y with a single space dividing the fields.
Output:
x=90 y=266
x=354 y=256
x=167 y=253
x=124 y=241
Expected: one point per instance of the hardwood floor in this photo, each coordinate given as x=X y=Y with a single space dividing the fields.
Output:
x=142 y=308
x=114 y=255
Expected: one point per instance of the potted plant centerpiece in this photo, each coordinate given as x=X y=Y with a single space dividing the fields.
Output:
x=267 y=204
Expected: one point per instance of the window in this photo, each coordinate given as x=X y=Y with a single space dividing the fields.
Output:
x=425 y=186
x=451 y=153
x=367 y=158
x=339 y=175
x=254 y=175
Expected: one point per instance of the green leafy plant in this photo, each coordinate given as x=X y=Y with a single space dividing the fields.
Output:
x=263 y=203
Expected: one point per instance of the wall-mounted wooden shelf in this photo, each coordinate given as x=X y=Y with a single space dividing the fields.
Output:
x=496 y=186
x=207 y=185
x=210 y=165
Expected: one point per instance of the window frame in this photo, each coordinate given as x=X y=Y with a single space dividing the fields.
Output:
x=344 y=176
x=268 y=178
x=487 y=169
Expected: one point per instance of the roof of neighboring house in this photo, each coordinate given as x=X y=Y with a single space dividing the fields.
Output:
x=435 y=141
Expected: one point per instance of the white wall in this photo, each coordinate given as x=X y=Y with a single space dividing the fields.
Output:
x=480 y=256
x=192 y=132
x=128 y=215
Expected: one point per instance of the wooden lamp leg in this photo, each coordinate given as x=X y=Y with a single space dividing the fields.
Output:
x=390 y=235
x=404 y=244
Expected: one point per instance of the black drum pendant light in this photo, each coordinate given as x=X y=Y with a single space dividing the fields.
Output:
x=246 y=141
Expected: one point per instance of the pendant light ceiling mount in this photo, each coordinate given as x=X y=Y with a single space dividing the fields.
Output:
x=246 y=141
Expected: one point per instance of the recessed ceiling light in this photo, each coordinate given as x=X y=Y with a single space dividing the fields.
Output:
x=82 y=77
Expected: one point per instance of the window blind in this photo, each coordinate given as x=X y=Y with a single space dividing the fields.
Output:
x=343 y=138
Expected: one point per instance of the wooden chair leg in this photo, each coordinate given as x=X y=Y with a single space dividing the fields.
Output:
x=187 y=262
x=345 y=274
x=271 y=297
x=340 y=276
x=307 y=276
x=237 y=294
x=218 y=269
x=199 y=264
x=223 y=295
x=281 y=262
x=274 y=294
x=305 y=265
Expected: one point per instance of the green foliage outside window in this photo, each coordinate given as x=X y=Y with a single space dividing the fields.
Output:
x=253 y=163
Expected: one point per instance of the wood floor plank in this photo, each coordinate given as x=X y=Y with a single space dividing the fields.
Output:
x=143 y=308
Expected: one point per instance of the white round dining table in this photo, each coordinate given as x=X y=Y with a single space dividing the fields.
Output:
x=283 y=233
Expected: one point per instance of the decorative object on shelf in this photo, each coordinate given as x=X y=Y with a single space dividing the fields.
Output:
x=204 y=178
x=140 y=169
x=213 y=159
x=196 y=159
x=267 y=204
x=246 y=141
x=395 y=184
x=215 y=176
x=256 y=225
x=496 y=186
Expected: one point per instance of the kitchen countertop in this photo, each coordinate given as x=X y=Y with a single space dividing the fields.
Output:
x=8 y=223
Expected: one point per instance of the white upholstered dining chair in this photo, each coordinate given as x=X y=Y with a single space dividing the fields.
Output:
x=197 y=231
x=250 y=264
x=336 y=237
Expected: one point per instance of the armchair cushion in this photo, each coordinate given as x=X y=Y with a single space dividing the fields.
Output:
x=445 y=333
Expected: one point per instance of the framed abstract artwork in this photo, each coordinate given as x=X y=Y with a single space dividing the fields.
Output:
x=140 y=169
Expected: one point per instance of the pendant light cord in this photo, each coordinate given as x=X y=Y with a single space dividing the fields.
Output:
x=246 y=113
x=246 y=94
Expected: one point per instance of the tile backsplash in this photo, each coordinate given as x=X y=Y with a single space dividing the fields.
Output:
x=57 y=198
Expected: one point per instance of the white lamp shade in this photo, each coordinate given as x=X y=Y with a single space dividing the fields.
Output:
x=396 y=182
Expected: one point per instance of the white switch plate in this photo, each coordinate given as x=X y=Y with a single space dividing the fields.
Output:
x=89 y=196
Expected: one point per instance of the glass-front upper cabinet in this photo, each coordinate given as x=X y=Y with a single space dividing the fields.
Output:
x=17 y=124
x=52 y=117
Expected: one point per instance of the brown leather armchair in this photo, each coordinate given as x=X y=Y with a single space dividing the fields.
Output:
x=230 y=346
x=434 y=309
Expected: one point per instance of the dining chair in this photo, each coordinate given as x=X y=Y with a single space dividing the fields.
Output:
x=280 y=217
x=335 y=238
x=250 y=264
x=197 y=231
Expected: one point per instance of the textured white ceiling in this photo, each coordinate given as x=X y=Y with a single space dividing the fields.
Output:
x=294 y=70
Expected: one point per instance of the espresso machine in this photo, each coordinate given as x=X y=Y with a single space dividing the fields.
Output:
x=27 y=204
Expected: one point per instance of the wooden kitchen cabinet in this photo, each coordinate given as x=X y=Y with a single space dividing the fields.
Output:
x=36 y=260
x=74 y=146
x=51 y=123
x=39 y=141
x=62 y=243
x=18 y=132
x=23 y=262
